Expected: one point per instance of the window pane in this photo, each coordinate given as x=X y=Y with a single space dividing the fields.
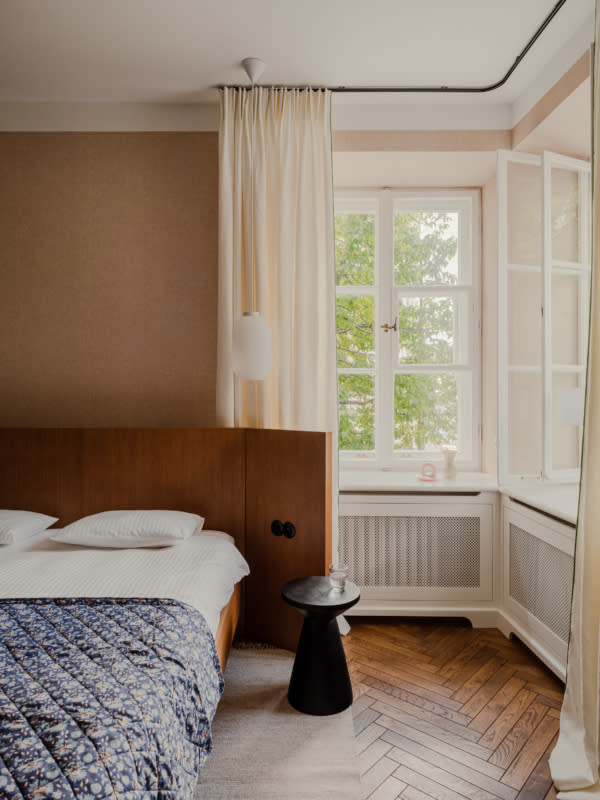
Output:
x=426 y=248
x=355 y=323
x=354 y=249
x=523 y=319
x=425 y=411
x=565 y=318
x=429 y=330
x=356 y=396
x=567 y=409
x=524 y=206
x=525 y=399
x=565 y=215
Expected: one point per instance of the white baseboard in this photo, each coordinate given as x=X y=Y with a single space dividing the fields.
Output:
x=478 y=616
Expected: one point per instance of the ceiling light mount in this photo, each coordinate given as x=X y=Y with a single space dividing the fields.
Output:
x=251 y=336
x=254 y=68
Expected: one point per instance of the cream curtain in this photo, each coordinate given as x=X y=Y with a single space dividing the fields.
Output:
x=575 y=760
x=294 y=255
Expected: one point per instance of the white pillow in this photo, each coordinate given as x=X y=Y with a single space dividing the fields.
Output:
x=131 y=529
x=18 y=525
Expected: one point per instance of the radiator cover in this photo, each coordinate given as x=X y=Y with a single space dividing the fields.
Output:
x=412 y=551
x=540 y=580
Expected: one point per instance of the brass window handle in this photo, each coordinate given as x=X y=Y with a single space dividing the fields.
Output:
x=387 y=328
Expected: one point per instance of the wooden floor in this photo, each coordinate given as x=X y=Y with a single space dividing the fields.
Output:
x=448 y=712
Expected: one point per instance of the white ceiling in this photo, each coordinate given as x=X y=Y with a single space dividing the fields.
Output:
x=176 y=50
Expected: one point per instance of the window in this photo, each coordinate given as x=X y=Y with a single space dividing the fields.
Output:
x=544 y=269
x=408 y=329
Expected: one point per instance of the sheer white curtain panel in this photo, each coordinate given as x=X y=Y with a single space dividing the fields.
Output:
x=575 y=761
x=294 y=274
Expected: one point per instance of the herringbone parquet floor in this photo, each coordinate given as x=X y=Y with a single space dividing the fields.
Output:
x=449 y=712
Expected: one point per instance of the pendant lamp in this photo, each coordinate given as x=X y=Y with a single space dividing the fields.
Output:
x=251 y=333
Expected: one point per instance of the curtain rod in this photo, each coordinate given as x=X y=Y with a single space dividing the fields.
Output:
x=442 y=89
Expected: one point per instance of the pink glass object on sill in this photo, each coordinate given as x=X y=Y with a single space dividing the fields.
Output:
x=428 y=472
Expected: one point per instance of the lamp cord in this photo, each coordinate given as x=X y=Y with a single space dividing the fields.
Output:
x=253 y=306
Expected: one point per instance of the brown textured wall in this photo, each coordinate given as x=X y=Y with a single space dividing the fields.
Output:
x=108 y=279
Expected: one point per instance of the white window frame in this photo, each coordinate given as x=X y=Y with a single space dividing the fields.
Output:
x=548 y=267
x=386 y=294
x=580 y=269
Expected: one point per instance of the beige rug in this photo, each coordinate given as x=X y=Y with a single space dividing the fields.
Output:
x=263 y=748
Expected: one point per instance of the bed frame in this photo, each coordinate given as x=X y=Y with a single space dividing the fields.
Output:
x=240 y=480
x=228 y=622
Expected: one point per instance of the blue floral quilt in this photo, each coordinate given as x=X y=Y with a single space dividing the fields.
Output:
x=104 y=698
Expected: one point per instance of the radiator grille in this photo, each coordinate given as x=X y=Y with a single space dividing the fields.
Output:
x=412 y=551
x=541 y=579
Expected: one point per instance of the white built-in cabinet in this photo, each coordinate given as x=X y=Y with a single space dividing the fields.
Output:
x=543 y=313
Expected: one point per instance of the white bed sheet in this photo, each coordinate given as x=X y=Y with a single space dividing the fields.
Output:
x=200 y=571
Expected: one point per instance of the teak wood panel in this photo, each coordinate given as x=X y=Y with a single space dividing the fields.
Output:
x=239 y=480
x=42 y=470
x=288 y=477
x=196 y=470
x=72 y=472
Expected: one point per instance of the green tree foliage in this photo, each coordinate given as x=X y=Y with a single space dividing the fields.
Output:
x=356 y=400
x=425 y=412
x=355 y=249
x=423 y=251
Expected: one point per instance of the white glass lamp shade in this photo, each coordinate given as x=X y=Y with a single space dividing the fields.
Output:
x=251 y=347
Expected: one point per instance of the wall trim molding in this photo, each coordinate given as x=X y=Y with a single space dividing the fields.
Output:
x=570 y=81
x=423 y=141
x=573 y=49
x=170 y=117
x=108 y=117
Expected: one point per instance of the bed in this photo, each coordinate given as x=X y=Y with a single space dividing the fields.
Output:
x=180 y=572
x=234 y=479
x=109 y=671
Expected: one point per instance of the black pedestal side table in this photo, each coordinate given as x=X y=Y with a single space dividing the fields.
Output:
x=320 y=683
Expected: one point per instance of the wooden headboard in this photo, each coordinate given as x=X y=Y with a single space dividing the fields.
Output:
x=240 y=480
x=72 y=472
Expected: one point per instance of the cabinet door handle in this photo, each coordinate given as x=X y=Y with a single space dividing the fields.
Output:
x=289 y=530
x=279 y=528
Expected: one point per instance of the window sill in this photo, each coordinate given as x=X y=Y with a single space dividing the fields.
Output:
x=558 y=500
x=388 y=481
